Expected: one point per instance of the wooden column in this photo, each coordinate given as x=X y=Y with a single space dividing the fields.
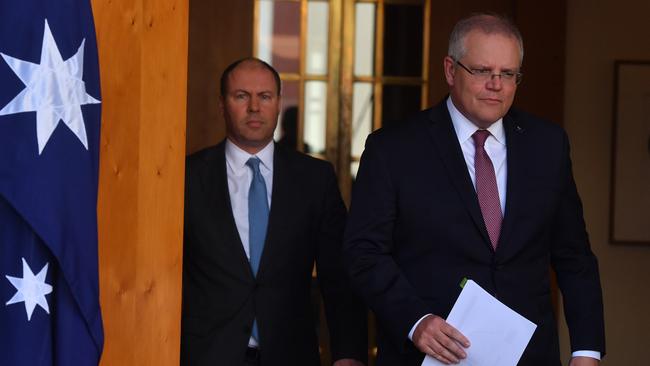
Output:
x=143 y=63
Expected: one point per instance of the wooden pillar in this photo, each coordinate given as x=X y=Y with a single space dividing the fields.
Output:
x=143 y=64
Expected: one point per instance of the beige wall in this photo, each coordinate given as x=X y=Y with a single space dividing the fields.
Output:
x=599 y=32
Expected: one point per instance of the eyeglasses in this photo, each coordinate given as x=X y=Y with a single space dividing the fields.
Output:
x=486 y=74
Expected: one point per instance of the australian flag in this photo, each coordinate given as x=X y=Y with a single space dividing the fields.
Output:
x=49 y=147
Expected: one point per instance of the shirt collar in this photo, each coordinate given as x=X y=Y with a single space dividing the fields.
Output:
x=237 y=158
x=465 y=128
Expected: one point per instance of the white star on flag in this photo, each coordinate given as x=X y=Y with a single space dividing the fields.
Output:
x=31 y=289
x=54 y=89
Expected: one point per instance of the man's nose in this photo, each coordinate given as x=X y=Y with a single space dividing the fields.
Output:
x=495 y=82
x=254 y=104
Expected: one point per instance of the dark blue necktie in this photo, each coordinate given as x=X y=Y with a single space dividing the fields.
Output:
x=258 y=219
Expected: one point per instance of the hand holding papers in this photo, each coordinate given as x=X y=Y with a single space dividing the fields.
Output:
x=498 y=335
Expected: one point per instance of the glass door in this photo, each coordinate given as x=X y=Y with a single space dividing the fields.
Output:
x=348 y=67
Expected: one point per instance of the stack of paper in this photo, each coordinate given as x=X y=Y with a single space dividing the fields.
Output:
x=498 y=335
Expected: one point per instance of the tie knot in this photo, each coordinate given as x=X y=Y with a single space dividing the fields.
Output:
x=480 y=136
x=254 y=164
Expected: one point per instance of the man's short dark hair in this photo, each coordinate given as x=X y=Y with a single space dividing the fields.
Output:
x=226 y=73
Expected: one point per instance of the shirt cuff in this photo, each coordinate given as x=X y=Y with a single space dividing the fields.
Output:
x=592 y=354
x=581 y=353
x=416 y=325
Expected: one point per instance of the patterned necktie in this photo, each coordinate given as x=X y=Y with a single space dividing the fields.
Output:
x=258 y=219
x=486 y=188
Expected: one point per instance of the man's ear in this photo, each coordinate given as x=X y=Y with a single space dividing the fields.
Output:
x=449 y=66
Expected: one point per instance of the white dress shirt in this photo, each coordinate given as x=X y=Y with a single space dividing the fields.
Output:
x=495 y=147
x=240 y=177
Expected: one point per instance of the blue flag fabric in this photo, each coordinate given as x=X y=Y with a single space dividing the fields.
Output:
x=49 y=148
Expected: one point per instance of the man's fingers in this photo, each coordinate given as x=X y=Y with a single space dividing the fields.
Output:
x=432 y=352
x=442 y=359
x=443 y=354
x=452 y=348
x=452 y=340
x=437 y=338
x=456 y=335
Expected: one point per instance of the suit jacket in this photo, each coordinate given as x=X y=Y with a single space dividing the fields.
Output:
x=415 y=230
x=221 y=297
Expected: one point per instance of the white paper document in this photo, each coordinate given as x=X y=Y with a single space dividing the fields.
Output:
x=497 y=334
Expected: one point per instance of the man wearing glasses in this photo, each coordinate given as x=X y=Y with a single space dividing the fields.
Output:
x=473 y=189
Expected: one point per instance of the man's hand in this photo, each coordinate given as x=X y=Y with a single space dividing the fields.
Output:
x=348 y=362
x=583 y=361
x=435 y=337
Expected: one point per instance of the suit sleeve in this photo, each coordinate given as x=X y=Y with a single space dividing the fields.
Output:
x=345 y=313
x=369 y=247
x=576 y=267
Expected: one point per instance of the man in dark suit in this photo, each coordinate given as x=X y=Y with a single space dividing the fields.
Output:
x=472 y=188
x=257 y=218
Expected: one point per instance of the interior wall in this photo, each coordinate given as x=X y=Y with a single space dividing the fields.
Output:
x=220 y=32
x=599 y=32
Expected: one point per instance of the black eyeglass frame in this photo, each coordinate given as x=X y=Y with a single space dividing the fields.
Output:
x=518 y=75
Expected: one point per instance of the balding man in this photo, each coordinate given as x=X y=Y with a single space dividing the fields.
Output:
x=257 y=218
x=472 y=188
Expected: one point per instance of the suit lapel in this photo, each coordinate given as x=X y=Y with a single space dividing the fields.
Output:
x=446 y=141
x=515 y=160
x=215 y=185
x=280 y=206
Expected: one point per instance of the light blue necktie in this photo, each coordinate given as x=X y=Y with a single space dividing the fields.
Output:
x=258 y=219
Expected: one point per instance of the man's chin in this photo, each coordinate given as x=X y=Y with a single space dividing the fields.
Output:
x=487 y=119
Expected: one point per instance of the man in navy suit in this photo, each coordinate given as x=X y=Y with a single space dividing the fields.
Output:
x=257 y=218
x=472 y=188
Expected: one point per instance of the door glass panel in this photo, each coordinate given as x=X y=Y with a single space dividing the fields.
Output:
x=317 y=31
x=315 y=116
x=354 y=169
x=265 y=31
x=279 y=35
x=362 y=108
x=364 y=39
x=400 y=102
x=403 y=39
